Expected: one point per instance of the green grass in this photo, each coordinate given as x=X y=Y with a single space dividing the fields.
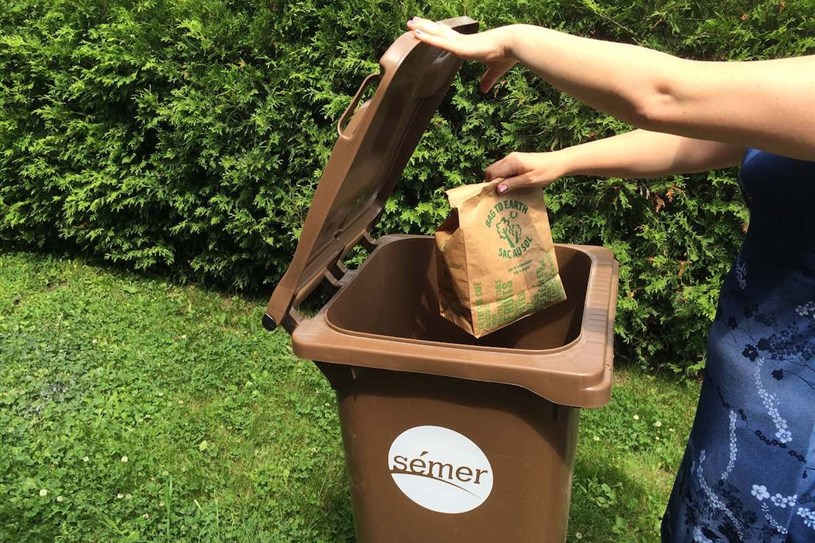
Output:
x=133 y=409
x=627 y=456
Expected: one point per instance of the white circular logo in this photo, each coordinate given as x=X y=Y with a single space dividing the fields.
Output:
x=440 y=469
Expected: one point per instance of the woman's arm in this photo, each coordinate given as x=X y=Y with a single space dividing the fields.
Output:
x=765 y=104
x=637 y=154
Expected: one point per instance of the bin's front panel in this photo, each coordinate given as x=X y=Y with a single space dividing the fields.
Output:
x=438 y=459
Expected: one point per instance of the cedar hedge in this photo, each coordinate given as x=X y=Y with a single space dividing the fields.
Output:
x=187 y=137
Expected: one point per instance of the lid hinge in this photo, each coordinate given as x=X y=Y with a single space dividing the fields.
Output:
x=368 y=242
x=335 y=275
x=290 y=321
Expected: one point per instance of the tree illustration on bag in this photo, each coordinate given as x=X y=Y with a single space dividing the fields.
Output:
x=509 y=231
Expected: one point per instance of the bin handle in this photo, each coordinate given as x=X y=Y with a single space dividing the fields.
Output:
x=346 y=115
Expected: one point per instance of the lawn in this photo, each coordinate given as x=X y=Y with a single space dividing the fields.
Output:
x=137 y=410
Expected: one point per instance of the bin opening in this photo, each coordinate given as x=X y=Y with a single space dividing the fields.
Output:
x=394 y=295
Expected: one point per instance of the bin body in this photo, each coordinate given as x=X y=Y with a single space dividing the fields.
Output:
x=528 y=441
x=448 y=437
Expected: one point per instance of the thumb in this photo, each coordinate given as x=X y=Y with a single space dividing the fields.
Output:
x=491 y=76
x=513 y=183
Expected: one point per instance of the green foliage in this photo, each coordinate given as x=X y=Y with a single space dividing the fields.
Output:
x=187 y=137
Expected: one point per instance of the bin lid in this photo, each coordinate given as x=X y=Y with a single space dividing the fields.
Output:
x=375 y=141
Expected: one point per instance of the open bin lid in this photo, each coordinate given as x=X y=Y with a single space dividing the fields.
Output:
x=375 y=142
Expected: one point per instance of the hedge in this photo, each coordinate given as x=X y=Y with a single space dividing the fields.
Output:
x=186 y=137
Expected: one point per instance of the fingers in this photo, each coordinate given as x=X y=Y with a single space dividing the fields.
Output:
x=484 y=47
x=433 y=33
x=509 y=166
x=426 y=26
x=521 y=170
x=513 y=171
x=512 y=183
x=442 y=36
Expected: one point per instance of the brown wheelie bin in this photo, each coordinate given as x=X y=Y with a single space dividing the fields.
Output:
x=447 y=438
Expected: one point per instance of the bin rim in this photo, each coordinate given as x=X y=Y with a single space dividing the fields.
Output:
x=577 y=374
x=393 y=237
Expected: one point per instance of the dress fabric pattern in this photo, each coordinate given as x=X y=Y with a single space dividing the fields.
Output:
x=748 y=473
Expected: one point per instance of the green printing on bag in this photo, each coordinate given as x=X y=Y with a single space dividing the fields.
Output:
x=508 y=228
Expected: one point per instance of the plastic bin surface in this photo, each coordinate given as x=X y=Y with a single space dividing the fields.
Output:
x=386 y=316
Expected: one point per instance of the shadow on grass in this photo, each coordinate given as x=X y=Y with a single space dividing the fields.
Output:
x=336 y=520
x=178 y=276
x=610 y=506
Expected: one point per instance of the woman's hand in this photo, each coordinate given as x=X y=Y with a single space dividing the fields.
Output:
x=524 y=170
x=490 y=47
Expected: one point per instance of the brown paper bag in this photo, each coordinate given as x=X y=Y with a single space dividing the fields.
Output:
x=495 y=258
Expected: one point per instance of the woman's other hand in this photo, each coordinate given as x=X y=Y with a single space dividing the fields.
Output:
x=525 y=170
x=490 y=47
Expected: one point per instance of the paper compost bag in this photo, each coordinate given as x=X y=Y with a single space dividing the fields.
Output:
x=495 y=258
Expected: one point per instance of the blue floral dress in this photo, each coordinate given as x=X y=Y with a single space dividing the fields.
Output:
x=748 y=473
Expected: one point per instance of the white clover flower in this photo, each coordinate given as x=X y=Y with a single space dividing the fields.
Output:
x=636 y=417
x=145 y=516
x=808 y=516
x=784 y=501
x=119 y=496
x=60 y=499
x=43 y=492
x=124 y=459
x=658 y=424
x=85 y=459
x=806 y=309
x=760 y=492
